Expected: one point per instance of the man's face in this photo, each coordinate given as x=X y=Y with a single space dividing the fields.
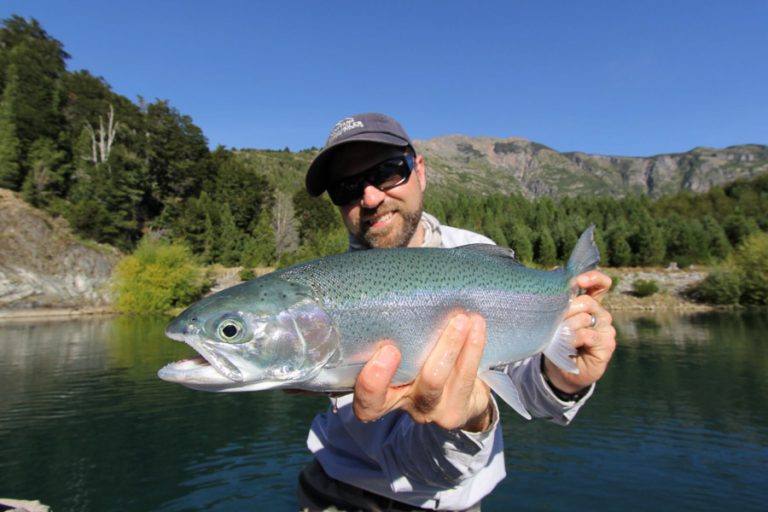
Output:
x=381 y=219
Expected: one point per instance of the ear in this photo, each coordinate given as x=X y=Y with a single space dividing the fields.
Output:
x=421 y=172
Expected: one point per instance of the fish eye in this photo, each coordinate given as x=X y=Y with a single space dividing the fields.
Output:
x=231 y=330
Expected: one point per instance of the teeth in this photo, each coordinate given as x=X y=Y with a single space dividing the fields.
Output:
x=220 y=363
x=382 y=218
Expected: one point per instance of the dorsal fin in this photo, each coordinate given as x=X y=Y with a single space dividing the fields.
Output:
x=489 y=250
x=585 y=255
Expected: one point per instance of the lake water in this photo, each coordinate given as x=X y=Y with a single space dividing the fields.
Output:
x=680 y=422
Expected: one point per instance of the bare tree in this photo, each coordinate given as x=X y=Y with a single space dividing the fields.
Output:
x=101 y=148
x=284 y=225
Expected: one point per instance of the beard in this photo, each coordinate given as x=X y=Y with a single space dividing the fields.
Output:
x=391 y=237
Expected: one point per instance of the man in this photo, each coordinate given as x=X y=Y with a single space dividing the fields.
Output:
x=436 y=442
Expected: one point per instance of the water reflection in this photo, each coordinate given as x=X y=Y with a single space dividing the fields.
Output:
x=680 y=421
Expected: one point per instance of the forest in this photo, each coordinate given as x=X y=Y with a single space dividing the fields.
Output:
x=120 y=170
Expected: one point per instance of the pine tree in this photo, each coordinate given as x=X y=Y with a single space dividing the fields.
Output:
x=259 y=247
x=648 y=243
x=229 y=238
x=492 y=230
x=519 y=238
x=246 y=192
x=315 y=215
x=546 y=252
x=35 y=62
x=177 y=154
x=10 y=147
x=619 y=251
x=48 y=173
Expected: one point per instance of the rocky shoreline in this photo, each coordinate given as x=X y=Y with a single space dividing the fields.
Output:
x=53 y=314
x=44 y=267
x=672 y=282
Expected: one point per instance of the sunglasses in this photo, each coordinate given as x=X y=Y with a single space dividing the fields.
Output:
x=386 y=175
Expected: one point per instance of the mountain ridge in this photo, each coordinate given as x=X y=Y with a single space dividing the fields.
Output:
x=517 y=165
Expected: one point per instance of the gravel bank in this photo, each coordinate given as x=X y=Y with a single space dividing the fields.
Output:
x=673 y=283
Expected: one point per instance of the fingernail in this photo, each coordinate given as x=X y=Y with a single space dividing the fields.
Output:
x=460 y=322
x=387 y=356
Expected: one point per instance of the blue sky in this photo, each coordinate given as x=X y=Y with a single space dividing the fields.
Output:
x=631 y=78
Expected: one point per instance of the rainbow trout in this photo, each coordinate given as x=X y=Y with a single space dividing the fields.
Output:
x=312 y=326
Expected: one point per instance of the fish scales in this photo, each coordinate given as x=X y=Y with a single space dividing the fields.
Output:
x=405 y=296
x=313 y=325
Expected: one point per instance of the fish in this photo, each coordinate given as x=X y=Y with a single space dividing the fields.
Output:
x=312 y=326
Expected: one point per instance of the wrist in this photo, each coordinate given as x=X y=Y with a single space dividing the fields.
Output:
x=481 y=422
x=570 y=395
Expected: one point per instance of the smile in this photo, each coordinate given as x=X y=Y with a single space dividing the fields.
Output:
x=380 y=220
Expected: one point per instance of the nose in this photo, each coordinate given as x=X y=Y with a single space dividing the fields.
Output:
x=372 y=196
x=180 y=328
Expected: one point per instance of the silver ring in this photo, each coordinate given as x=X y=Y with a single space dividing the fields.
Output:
x=593 y=322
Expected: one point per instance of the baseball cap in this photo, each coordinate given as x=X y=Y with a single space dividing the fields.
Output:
x=367 y=127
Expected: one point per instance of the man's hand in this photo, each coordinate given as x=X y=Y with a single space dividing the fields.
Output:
x=446 y=391
x=594 y=344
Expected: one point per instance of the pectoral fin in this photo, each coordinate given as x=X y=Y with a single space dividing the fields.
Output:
x=501 y=383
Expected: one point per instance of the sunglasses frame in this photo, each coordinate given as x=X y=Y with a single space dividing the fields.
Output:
x=355 y=185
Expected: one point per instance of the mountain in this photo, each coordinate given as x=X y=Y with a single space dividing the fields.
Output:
x=515 y=165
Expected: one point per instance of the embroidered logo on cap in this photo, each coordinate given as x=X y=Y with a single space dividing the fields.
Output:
x=343 y=126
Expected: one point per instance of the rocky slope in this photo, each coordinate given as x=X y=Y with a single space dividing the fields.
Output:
x=486 y=164
x=42 y=265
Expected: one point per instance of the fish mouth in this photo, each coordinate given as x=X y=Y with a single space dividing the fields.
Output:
x=197 y=369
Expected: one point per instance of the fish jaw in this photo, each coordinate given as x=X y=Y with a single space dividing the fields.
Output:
x=196 y=373
x=210 y=367
x=209 y=370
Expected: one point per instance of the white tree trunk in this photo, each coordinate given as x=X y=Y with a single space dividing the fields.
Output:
x=101 y=148
x=284 y=225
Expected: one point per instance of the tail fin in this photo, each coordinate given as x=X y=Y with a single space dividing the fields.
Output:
x=585 y=255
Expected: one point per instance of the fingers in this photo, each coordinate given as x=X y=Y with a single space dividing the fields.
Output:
x=468 y=362
x=595 y=283
x=446 y=391
x=595 y=344
x=580 y=312
x=373 y=393
x=440 y=365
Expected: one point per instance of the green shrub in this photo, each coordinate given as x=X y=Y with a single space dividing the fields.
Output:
x=744 y=277
x=722 y=286
x=157 y=277
x=751 y=260
x=247 y=274
x=615 y=281
x=644 y=287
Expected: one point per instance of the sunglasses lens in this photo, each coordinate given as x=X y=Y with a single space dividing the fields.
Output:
x=389 y=174
x=346 y=191
x=384 y=176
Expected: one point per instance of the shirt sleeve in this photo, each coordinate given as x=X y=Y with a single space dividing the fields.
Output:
x=432 y=456
x=538 y=397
